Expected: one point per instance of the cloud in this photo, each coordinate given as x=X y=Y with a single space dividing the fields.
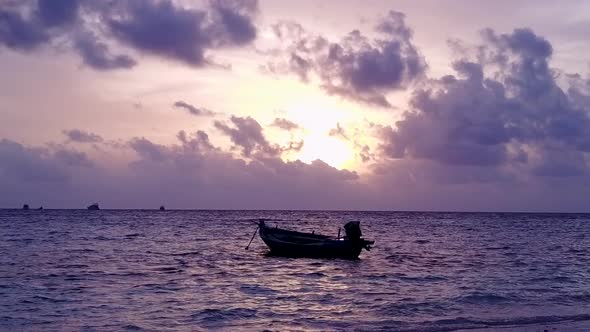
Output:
x=162 y=28
x=192 y=109
x=19 y=34
x=191 y=173
x=80 y=136
x=504 y=109
x=148 y=150
x=165 y=29
x=247 y=135
x=73 y=158
x=29 y=165
x=235 y=26
x=284 y=124
x=96 y=54
x=58 y=12
x=338 y=132
x=199 y=141
x=357 y=67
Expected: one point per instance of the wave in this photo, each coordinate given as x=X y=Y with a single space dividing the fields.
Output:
x=209 y=315
x=485 y=298
x=462 y=323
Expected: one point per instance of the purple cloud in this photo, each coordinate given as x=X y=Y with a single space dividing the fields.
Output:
x=57 y=12
x=235 y=26
x=80 y=136
x=357 y=67
x=148 y=150
x=338 y=132
x=73 y=158
x=166 y=29
x=96 y=54
x=514 y=116
x=158 y=27
x=284 y=124
x=29 y=165
x=192 y=109
x=19 y=34
x=247 y=135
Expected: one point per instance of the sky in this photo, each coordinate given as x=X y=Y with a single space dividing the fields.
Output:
x=245 y=104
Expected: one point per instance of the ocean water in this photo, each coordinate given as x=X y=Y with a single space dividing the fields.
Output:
x=68 y=270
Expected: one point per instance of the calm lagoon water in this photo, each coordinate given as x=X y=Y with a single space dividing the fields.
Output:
x=71 y=270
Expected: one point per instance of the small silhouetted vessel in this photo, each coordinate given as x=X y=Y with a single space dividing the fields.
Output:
x=93 y=207
x=26 y=207
x=298 y=244
x=40 y=208
x=162 y=208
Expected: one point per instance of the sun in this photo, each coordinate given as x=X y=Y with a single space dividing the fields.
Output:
x=330 y=150
x=317 y=117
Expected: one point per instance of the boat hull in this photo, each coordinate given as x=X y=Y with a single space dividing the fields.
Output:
x=295 y=244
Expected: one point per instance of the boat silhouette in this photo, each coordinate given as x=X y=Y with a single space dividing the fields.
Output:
x=288 y=243
x=93 y=207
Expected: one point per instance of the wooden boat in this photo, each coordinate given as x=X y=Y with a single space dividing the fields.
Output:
x=288 y=243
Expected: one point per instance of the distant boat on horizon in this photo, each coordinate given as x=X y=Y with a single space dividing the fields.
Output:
x=26 y=207
x=162 y=208
x=93 y=207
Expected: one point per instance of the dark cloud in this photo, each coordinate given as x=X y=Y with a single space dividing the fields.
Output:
x=27 y=32
x=162 y=28
x=235 y=25
x=247 y=134
x=506 y=117
x=80 y=136
x=357 y=67
x=285 y=124
x=73 y=158
x=159 y=27
x=166 y=29
x=199 y=141
x=148 y=150
x=58 y=12
x=29 y=165
x=17 y=33
x=96 y=54
x=192 y=109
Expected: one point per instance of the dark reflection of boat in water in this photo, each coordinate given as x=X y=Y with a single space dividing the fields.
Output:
x=93 y=207
x=288 y=243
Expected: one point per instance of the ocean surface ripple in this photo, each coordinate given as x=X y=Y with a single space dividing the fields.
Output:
x=141 y=270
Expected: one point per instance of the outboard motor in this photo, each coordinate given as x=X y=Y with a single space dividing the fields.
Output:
x=353 y=230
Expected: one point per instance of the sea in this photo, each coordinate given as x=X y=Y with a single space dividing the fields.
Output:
x=188 y=270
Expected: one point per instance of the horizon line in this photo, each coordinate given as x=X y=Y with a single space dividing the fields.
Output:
x=299 y=210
